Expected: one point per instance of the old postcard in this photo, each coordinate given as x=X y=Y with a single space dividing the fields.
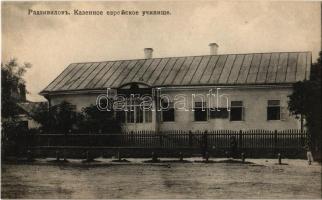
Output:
x=161 y=99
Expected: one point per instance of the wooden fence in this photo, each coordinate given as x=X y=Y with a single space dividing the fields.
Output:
x=261 y=142
x=212 y=141
x=176 y=139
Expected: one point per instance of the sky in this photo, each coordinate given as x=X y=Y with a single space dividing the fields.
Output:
x=50 y=43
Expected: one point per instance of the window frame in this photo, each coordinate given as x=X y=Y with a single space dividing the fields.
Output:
x=232 y=107
x=203 y=108
x=171 y=109
x=138 y=112
x=271 y=105
x=218 y=113
x=145 y=116
x=128 y=113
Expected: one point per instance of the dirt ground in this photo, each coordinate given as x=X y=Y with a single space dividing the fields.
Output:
x=104 y=179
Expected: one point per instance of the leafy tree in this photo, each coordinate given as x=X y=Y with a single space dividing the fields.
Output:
x=12 y=91
x=12 y=88
x=65 y=116
x=61 y=117
x=94 y=120
x=42 y=114
x=305 y=103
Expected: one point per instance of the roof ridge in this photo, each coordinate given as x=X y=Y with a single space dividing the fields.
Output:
x=115 y=60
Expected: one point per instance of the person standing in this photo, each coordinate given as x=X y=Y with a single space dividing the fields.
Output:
x=309 y=154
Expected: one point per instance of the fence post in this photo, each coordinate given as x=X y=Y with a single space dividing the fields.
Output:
x=180 y=156
x=132 y=138
x=17 y=142
x=207 y=156
x=154 y=157
x=57 y=155
x=65 y=143
x=275 y=141
x=205 y=143
x=279 y=158
x=119 y=158
x=190 y=138
x=240 y=139
x=302 y=139
x=27 y=143
x=243 y=157
x=160 y=139
x=29 y=149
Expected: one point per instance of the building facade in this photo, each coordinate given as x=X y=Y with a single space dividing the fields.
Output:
x=211 y=92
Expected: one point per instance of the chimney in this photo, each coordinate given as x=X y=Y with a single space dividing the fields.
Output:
x=22 y=92
x=213 y=48
x=148 y=52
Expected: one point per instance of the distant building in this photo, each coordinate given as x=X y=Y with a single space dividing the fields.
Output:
x=256 y=87
x=24 y=119
x=27 y=110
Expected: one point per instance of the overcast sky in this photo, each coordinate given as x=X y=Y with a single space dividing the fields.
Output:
x=50 y=43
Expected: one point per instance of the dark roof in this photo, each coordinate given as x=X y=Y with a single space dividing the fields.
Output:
x=229 y=69
x=30 y=107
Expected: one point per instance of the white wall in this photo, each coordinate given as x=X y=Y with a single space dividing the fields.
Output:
x=254 y=101
x=79 y=100
x=255 y=116
x=85 y=100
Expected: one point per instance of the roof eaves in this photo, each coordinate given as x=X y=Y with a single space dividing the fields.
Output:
x=100 y=90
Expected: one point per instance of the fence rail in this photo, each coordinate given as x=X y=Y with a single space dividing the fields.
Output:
x=255 y=143
x=219 y=139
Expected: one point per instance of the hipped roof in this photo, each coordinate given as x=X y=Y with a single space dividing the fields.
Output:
x=228 y=69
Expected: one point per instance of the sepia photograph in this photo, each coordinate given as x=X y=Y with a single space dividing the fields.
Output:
x=161 y=99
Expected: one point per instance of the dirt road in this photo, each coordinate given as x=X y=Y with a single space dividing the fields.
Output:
x=262 y=179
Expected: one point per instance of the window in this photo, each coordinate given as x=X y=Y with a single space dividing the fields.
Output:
x=273 y=110
x=236 y=111
x=201 y=111
x=135 y=114
x=148 y=116
x=130 y=114
x=167 y=112
x=139 y=114
x=147 y=112
x=218 y=113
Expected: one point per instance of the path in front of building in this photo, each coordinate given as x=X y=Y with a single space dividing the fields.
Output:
x=259 y=179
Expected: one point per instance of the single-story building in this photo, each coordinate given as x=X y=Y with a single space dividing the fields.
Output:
x=208 y=92
x=26 y=116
